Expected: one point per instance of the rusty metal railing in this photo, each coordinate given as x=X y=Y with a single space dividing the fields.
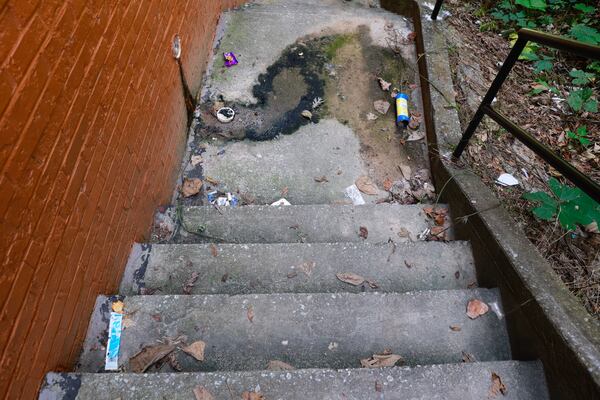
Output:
x=578 y=178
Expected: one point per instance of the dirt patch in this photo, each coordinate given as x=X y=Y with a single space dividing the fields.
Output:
x=351 y=90
x=475 y=57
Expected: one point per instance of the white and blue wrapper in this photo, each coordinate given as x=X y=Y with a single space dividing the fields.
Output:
x=114 y=342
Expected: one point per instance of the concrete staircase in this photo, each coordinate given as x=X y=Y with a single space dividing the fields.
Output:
x=267 y=290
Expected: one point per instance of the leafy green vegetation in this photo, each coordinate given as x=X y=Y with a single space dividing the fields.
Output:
x=580 y=134
x=570 y=205
x=577 y=19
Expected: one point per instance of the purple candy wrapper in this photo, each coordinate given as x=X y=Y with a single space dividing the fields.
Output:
x=230 y=59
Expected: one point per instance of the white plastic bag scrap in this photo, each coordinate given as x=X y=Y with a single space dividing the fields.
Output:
x=281 y=202
x=353 y=194
x=507 y=180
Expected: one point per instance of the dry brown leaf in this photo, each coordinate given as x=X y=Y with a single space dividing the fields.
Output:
x=252 y=396
x=365 y=185
x=250 y=313
x=211 y=180
x=385 y=86
x=455 y=328
x=276 y=365
x=381 y=360
x=196 y=350
x=468 y=357
x=196 y=159
x=213 y=250
x=172 y=361
x=475 y=308
x=321 y=179
x=372 y=284
x=284 y=191
x=387 y=184
x=439 y=219
x=201 y=393
x=148 y=356
x=349 y=277
x=292 y=274
x=497 y=385
x=117 y=306
x=307 y=267
x=363 y=232
x=191 y=187
x=189 y=284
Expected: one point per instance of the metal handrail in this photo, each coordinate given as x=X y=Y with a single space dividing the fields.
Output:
x=436 y=9
x=485 y=108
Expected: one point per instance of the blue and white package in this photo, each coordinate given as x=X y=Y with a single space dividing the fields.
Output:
x=114 y=342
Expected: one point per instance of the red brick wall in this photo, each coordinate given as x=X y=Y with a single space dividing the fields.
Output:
x=92 y=128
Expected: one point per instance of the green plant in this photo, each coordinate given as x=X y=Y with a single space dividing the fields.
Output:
x=533 y=4
x=581 y=77
x=581 y=99
x=580 y=134
x=570 y=205
x=541 y=86
x=585 y=33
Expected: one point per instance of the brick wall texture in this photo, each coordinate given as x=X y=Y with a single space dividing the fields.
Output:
x=92 y=129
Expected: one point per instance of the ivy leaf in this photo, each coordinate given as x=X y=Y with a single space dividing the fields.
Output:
x=563 y=192
x=543 y=65
x=585 y=34
x=591 y=106
x=548 y=207
x=581 y=77
x=578 y=98
x=584 y=8
x=532 y=4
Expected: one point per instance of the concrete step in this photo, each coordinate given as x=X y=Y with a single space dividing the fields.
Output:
x=305 y=223
x=466 y=381
x=282 y=267
x=320 y=330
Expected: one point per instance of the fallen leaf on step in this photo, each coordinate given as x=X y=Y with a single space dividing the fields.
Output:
x=363 y=232
x=292 y=274
x=191 y=186
x=190 y=283
x=385 y=86
x=201 y=393
x=497 y=385
x=117 y=306
x=196 y=350
x=475 y=308
x=173 y=363
x=196 y=159
x=381 y=106
x=438 y=233
x=148 y=356
x=211 y=180
x=250 y=313
x=455 y=328
x=321 y=179
x=307 y=267
x=387 y=184
x=284 y=191
x=371 y=116
x=468 y=357
x=213 y=250
x=252 y=396
x=381 y=360
x=372 y=284
x=349 y=277
x=378 y=387
x=276 y=365
x=365 y=185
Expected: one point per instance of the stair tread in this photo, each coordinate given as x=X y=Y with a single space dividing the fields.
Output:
x=319 y=330
x=305 y=223
x=464 y=381
x=278 y=267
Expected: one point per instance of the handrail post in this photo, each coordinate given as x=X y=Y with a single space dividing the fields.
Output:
x=510 y=61
x=436 y=9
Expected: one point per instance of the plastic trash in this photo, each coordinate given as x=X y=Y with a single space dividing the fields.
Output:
x=402 y=117
x=354 y=194
x=507 y=180
x=230 y=59
x=115 y=325
x=222 y=199
x=225 y=114
x=281 y=202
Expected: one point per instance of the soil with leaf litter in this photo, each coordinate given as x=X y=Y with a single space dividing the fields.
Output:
x=541 y=103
